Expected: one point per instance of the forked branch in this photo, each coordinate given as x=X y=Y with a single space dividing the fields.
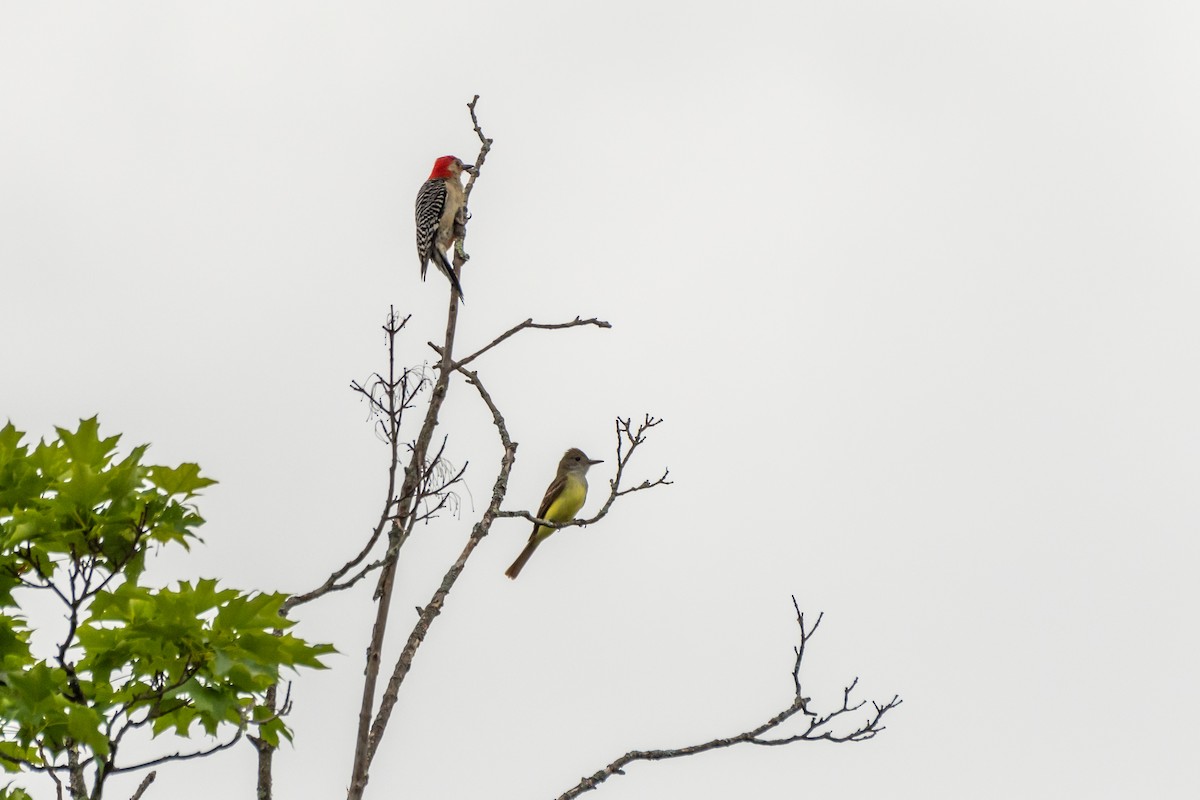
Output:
x=388 y=398
x=430 y=611
x=818 y=727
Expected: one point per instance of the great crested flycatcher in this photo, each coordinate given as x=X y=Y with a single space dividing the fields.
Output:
x=562 y=502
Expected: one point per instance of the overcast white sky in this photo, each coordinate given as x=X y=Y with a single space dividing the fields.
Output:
x=913 y=284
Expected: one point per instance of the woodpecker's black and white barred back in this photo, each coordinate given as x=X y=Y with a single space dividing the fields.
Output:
x=440 y=217
x=430 y=202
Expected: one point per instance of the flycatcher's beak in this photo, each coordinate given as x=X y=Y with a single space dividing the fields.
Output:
x=595 y=460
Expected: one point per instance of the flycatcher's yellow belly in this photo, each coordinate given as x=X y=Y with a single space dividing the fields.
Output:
x=564 y=507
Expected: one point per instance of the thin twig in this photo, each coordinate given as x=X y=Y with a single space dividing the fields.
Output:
x=145 y=784
x=485 y=147
x=392 y=410
x=58 y=786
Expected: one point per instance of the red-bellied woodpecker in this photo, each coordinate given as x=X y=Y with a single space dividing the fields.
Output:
x=441 y=215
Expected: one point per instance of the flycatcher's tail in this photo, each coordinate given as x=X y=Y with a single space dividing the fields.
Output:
x=447 y=269
x=517 y=565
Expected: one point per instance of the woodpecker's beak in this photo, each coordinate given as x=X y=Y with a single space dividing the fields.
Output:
x=470 y=169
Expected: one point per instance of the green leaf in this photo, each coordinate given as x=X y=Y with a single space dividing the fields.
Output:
x=13 y=751
x=9 y=580
x=184 y=479
x=11 y=792
x=84 y=726
x=10 y=444
x=180 y=719
x=85 y=445
x=19 y=481
x=14 y=644
x=273 y=731
x=214 y=706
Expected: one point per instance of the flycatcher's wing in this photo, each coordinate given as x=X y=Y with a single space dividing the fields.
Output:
x=554 y=490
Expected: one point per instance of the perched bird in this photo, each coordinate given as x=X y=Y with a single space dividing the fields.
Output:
x=441 y=214
x=562 y=502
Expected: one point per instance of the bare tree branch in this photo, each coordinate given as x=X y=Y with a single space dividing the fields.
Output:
x=529 y=323
x=818 y=728
x=398 y=392
x=75 y=771
x=58 y=785
x=181 y=756
x=485 y=147
x=431 y=610
x=145 y=784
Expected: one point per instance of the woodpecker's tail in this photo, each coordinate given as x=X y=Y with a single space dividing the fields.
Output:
x=517 y=565
x=444 y=265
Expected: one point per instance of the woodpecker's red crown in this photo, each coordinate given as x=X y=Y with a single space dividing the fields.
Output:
x=446 y=167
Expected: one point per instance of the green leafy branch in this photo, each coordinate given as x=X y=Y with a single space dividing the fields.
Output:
x=78 y=523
